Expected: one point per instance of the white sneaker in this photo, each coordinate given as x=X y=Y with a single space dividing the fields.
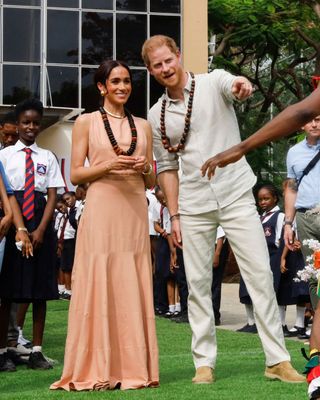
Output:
x=21 y=350
x=23 y=341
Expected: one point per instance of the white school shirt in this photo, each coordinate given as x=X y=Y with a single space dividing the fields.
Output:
x=153 y=202
x=69 y=231
x=47 y=173
x=279 y=224
x=166 y=218
x=214 y=128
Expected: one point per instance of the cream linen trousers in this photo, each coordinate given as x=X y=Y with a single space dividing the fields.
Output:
x=243 y=228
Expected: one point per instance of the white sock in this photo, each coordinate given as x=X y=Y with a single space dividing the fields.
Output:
x=282 y=312
x=172 y=307
x=300 y=317
x=68 y=291
x=178 y=307
x=61 y=288
x=4 y=350
x=36 y=348
x=250 y=316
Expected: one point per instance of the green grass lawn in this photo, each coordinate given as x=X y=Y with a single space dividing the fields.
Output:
x=239 y=369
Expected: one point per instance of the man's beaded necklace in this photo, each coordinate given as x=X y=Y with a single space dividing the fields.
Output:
x=165 y=140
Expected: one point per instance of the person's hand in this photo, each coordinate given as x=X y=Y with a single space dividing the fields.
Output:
x=241 y=88
x=283 y=267
x=297 y=245
x=289 y=237
x=221 y=160
x=59 y=249
x=141 y=164
x=5 y=224
x=120 y=162
x=173 y=260
x=37 y=238
x=164 y=234
x=216 y=260
x=176 y=233
x=27 y=248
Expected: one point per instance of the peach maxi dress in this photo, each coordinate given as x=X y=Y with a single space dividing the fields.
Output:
x=111 y=340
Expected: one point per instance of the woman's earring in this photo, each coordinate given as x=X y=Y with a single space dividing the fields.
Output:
x=103 y=93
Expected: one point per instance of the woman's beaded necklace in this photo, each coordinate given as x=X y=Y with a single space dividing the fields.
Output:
x=117 y=149
x=165 y=140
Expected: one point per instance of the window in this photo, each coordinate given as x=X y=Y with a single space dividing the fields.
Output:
x=50 y=50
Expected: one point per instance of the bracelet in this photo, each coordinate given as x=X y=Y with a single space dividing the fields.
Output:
x=148 y=172
x=175 y=216
x=288 y=222
x=22 y=229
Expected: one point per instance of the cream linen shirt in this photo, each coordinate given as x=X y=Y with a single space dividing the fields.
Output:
x=214 y=128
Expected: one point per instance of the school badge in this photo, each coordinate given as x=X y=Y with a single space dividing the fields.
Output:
x=41 y=169
x=267 y=231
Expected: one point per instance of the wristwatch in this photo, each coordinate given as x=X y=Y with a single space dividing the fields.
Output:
x=288 y=222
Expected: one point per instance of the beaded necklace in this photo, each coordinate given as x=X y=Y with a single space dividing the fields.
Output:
x=117 y=149
x=165 y=140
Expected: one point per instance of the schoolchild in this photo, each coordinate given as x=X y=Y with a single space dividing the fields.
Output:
x=272 y=222
x=67 y=241
x=164 y=259
x=33 y=173
x=81 y=193
x=291 y=292
x=59 y=226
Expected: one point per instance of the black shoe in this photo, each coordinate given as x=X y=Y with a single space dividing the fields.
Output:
x=16 y=358
x=297 y=331
x=65 y=296
x=303 y=336
x=181 y=319
x=37 y=361
x=248 y=329
x=6 y=365
x=285 y=330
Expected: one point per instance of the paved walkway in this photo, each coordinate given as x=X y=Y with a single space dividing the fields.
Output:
x=233 y=314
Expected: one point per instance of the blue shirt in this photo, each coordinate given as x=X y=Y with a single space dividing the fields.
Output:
x=5 y=180
x=298 y=158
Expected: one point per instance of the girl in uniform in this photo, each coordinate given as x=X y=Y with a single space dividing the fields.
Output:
x=33 y=173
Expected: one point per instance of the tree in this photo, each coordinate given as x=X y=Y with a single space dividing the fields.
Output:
x=276 y=45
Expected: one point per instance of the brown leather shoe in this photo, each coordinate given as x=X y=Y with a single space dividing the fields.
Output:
x=203 y=375
x=285 y=372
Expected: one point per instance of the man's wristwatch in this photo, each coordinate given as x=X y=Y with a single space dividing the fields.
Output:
x=288 y=222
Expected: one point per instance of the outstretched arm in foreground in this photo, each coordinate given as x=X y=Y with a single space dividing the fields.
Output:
x=289 y=120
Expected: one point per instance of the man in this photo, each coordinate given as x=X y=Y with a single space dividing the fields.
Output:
x=193 y=120
x=301 y=199
x=9 y=134
x=289 y=120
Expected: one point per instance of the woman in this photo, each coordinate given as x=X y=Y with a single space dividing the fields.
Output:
x=111 y=338
x=32 y=172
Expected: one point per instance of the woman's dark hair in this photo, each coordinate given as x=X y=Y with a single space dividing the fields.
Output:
x=105 y=68
x=272 y=189
x=29 y=104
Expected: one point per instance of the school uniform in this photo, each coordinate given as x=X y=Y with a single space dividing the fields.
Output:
x=272 y=223
x=66 y=236
x=291 y=292
x=162 y=261
x=9 y=192
x=22 y=279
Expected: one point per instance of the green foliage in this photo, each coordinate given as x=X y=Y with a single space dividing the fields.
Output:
x=276 y=45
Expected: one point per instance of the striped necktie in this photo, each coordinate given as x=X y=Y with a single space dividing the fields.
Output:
x=28 y=195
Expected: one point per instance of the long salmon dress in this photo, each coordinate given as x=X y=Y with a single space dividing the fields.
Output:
x=111 y=340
